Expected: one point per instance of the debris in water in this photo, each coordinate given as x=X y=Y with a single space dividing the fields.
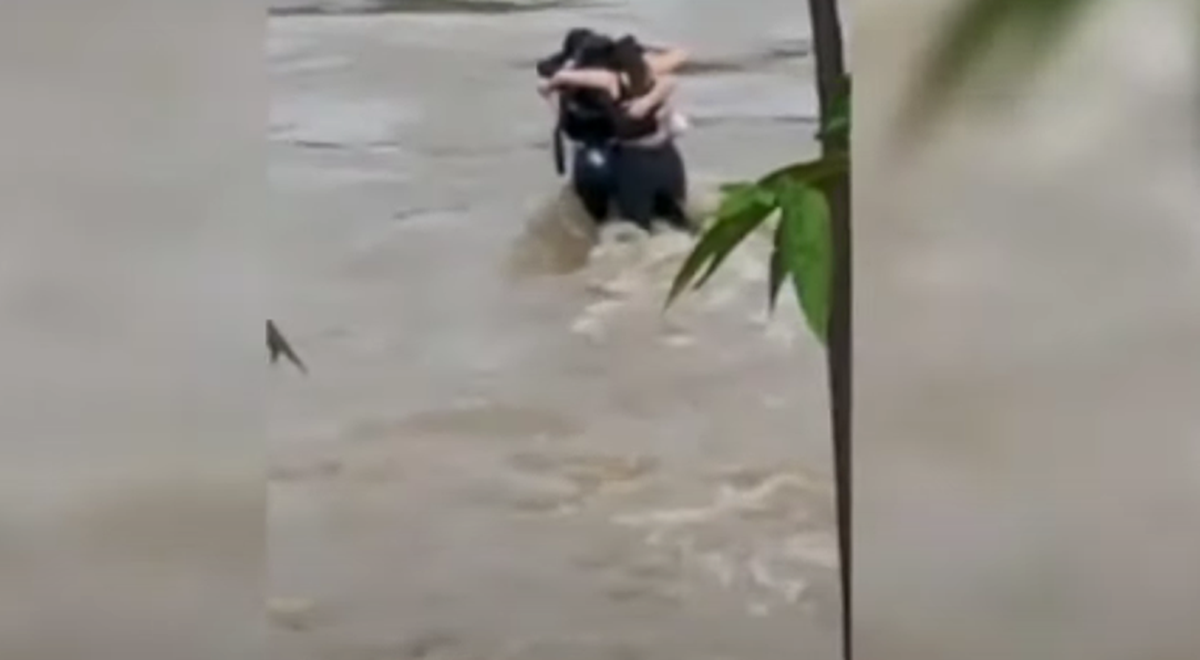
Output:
x=277 y=345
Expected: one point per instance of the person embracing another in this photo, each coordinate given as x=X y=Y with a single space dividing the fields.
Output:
x=614 y=103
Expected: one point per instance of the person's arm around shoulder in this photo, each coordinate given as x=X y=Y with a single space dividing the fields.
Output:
x=663 y=61
x=594 y=78
x=643 y=105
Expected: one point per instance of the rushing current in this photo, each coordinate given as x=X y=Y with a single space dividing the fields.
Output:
x=506 y=449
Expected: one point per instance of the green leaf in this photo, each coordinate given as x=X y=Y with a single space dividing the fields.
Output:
x=735 y=188
x=812 y=172
x=778 y=269
x=806 y=251
x=740 y=219
x=742 y=210
x=836 y=127
x=838 y=130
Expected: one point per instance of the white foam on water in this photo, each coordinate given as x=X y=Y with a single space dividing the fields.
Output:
x=731 y=539
x=631 y=270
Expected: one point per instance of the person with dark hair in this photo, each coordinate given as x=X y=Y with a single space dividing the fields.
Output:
x=622 y=118
x=573 y=45
x=650 y=180
x=585 y=119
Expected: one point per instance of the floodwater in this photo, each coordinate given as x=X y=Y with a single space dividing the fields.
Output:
x=505 y=448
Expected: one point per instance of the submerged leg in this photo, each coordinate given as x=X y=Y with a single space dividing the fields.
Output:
x=635 y=186
x=673 y=194
x=591 y=178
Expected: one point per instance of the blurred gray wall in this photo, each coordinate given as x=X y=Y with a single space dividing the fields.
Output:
x=131 y=359
x=1029 y=351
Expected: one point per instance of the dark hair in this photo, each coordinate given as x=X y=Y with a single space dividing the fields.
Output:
x=595 y=52
x=575 y=38
x=628 y=59
x=589 y=49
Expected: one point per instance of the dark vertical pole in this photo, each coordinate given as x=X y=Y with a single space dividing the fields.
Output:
x=831 y=81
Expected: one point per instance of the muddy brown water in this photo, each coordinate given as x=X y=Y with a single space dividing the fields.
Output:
x=506 y=449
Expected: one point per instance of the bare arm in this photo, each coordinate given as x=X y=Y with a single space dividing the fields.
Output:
x=663 y=61
x=658 y=95
x=551 y=99
x=594 y=78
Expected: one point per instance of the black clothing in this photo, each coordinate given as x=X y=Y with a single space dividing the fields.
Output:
x=650 y=182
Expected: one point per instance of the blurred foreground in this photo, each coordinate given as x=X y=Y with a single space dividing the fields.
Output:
x=1028 y=446
x=131 y=365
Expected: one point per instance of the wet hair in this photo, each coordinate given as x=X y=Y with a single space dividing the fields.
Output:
x=628 y=58
x=595 y=52
x=587 y=48
x=576 y=37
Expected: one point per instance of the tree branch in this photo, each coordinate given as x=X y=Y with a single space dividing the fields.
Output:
x=831 y=81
